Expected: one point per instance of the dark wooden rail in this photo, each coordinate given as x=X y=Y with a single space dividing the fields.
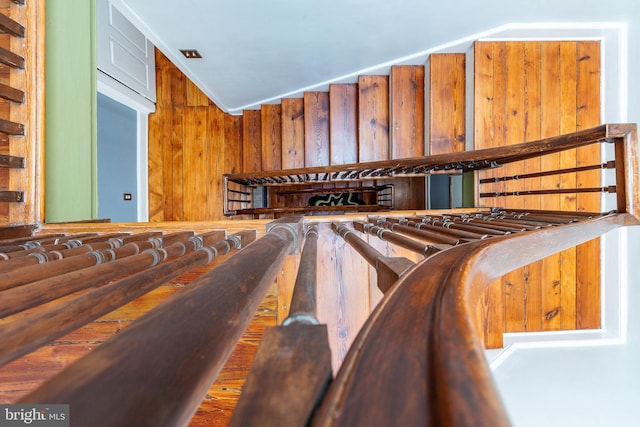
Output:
x=292 y=367
x=186 y=341
x=442 y=362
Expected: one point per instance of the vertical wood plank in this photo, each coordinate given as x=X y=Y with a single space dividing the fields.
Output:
x=447 y=103
x=233 y=144
x=286 y=281
x=407 y=111
x=514 y=134
x=156 y=157
x=490 y=309
x=568 y=116
x=343 y=128
x=174 y=177
x=292 y=133
x=196 y=162
x=251 y=141
x=588 y=254
x=533 y=288
x=373 y=118
x=550 y=125
x=316 y=129
x=271 y=137
x=343 y=306
x=215 y=143
x=194 y=97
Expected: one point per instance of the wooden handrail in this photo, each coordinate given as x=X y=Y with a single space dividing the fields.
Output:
x=303 y=307
x=461 y=161
x=439 y=368
x=186 y=341
x=296 y=354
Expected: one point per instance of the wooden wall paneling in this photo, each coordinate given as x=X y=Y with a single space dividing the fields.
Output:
x=568 y=116
x=490 y=309
x=373 y=144
x=343 y=124
x=550 y=125
x=157 y=136
x=373 y=118
x=196 y=161
x=316 y=129
x=216 y=143
x=251 y=141
x=343 y=303
x=286 y=281
x=533 y=284
x=407 y=111
x=446 y=103
x=174 y=161
x=271 y=116
x=514 y=133
x=194 y=97
x=232 y=144
x=292 y=133
x=588 y=115
x=499 y=109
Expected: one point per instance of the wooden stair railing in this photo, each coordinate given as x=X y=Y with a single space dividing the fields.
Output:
x=416 y=361
x=292 y=367
x=425 y=361
x=157 y=371
x=247 y=185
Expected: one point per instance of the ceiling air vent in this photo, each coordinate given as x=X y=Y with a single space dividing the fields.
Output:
x=190 y=53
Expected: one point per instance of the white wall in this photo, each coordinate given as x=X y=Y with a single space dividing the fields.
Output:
x=579 y=386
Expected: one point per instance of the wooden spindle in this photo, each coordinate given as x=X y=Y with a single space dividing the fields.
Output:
x=389 y=269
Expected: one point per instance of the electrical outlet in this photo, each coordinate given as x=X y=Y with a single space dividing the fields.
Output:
x=127 y=196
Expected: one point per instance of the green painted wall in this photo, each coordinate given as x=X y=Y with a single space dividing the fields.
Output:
x=71 y=180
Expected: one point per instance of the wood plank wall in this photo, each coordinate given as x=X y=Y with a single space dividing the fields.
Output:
x=526 y=91
x=447 y=103
x=191 y=144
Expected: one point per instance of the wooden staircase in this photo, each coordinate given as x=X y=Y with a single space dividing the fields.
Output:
x=415 y=110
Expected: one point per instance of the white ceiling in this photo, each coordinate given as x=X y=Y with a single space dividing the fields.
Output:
x=258 y=51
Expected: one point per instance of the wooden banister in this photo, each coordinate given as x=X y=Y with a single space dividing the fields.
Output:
x=439 y=368
x=37 y=327
x=296 y=355
x=186 y=341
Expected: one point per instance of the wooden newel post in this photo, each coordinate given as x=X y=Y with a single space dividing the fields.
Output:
x=157 y=371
